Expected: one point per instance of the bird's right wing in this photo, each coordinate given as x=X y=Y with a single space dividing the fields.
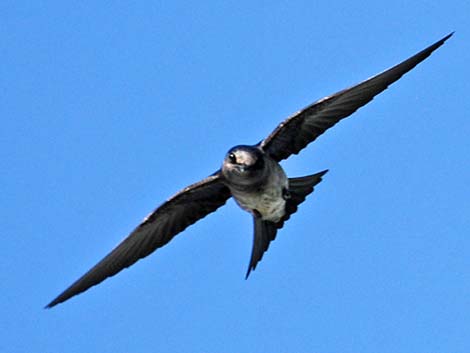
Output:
x=183 y=209
x=297 y=131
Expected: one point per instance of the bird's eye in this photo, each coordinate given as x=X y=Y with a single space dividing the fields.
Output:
x=232 y=158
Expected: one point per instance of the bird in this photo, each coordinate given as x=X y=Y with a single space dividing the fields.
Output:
x=253 y=176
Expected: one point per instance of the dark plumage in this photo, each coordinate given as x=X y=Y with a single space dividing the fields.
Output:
x=253 y=176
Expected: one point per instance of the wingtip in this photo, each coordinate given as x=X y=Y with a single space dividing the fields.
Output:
x=427 y=51
x=447 y=37
x=60 y=299
x=51 y=305
x=248 y=273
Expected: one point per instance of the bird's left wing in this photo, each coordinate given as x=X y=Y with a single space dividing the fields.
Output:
x=297 y=131
x=183 y=209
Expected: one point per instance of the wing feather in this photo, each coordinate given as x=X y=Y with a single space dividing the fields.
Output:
x=183 y=209
x=303 y=127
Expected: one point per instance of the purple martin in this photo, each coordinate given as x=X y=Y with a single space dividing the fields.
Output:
x=251 y=175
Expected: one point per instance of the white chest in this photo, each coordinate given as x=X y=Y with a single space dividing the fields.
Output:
x=268 y=201
x=270 y=204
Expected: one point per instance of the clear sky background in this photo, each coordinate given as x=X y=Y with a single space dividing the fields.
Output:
x=109 y=108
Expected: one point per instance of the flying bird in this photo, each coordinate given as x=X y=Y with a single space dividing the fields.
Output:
x=251 y=175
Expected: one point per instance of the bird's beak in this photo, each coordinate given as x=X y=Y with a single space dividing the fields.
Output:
x=241 y=168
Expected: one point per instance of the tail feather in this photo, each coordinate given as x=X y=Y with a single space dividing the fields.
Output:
x=265 y=231
x=299 y=189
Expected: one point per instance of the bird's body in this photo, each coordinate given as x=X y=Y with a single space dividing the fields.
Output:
x=267 y=202
x=253 y=176
x=259 y=187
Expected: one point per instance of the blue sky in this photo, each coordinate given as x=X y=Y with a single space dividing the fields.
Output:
x=109 y=109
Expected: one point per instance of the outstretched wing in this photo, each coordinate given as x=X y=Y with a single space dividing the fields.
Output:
x=265 y=231
x=157 y=229
x=297 y=131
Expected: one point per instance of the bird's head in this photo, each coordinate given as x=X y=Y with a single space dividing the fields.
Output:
x=243 y=165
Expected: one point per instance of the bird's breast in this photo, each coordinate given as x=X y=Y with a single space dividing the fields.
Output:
x=269 y=204
x=267 y=199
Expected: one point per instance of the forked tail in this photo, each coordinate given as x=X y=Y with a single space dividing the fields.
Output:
x=265 y=231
